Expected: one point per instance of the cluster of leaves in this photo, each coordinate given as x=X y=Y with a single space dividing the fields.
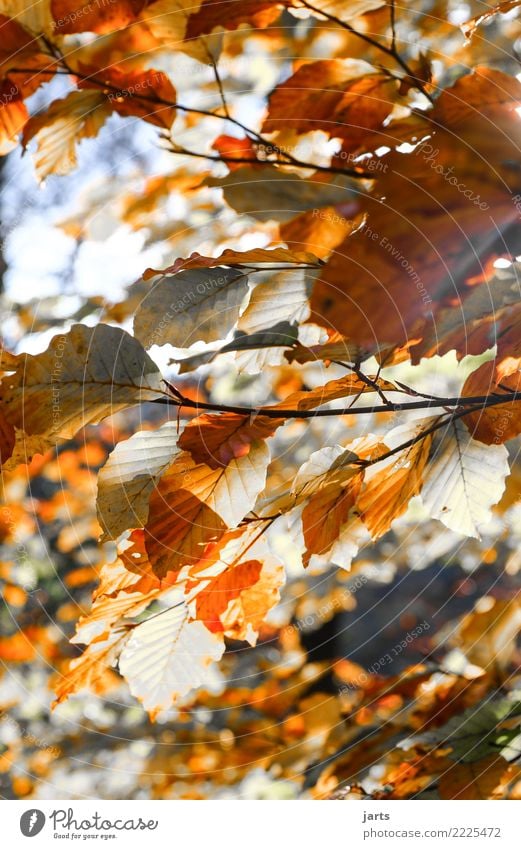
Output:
x=393 y=243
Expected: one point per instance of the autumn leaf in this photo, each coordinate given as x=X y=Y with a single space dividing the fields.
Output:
x=193 y=504
x=212 y=602
x=257 y=256
x=230 y=148
x=389 y=487
x=7 y=439
x=168 y=20
x=231 y=14
x=273 y=194
x=88 y=670
x=146 y=94
x=100 y=18
x=289 y=290
x=128 y=477
x=325 y=514
x=343 y=97
x=392 y=273
x=470 y=26
x=13 y=116
x=22 y=63
x=167 y=656
x=463 y=479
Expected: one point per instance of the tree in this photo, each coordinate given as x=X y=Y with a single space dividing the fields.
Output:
x=339 y=300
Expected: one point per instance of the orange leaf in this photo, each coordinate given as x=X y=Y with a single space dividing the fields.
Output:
x=19 y=49
x=230 y=147
x=324 y=515
x=218 y=439
x=193 y=505
x=387 y=492
x=7 y=435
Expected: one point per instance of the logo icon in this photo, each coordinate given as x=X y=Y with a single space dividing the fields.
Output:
x=32 y=822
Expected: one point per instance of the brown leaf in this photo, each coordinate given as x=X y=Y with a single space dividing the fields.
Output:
x=83 y=376
x=193 y=505
x=230 y=147
x=147 y=94
x=7 y=439
x=387 y=492
x=19 y=49
x=214 y=599
x=256 y=256
x=392 y=273
x=13 y=116
x=325 y=514
x=332 y=95
x=476 y=780
x=230 y=14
